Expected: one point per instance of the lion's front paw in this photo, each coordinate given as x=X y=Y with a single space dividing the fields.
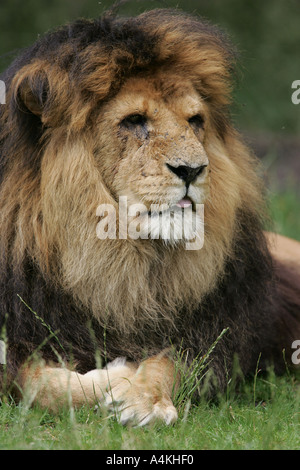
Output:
x=139 y=404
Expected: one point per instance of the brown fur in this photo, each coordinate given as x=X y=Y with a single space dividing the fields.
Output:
x=284 y=248
x=65 y=151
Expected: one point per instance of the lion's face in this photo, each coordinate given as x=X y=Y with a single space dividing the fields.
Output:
x=158 y=126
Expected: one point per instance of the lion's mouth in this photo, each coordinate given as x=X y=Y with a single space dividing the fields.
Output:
x=184 y=203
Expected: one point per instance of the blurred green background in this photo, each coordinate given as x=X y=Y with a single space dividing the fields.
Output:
x=267 y=34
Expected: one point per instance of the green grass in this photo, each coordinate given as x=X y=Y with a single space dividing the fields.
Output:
x=264 y=415
x=265 y=418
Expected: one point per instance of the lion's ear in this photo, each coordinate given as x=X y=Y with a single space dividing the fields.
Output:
x=31 y=92
x=29 y=99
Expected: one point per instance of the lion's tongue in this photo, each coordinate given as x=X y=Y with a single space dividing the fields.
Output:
x=185 y=202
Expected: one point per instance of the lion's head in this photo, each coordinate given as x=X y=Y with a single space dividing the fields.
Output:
x=109 y=108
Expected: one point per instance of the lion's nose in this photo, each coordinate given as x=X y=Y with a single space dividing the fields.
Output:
x=186 y=173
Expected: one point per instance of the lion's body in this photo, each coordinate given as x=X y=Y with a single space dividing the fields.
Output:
x=67 y=145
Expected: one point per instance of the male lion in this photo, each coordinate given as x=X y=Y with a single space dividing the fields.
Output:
x=134 y=108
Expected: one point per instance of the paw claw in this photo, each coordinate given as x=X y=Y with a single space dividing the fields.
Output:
x=140 y=414
x=171 y=415
x=135 y=404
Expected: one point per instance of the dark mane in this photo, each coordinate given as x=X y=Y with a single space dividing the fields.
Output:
x=259 y=306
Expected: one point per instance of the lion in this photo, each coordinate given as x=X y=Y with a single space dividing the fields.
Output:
x=134 y=108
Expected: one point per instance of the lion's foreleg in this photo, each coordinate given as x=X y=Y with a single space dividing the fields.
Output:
x=54 y=387
x=138 y=394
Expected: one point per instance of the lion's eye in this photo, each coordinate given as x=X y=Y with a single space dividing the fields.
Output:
x=197 y=121
x=134 y=120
